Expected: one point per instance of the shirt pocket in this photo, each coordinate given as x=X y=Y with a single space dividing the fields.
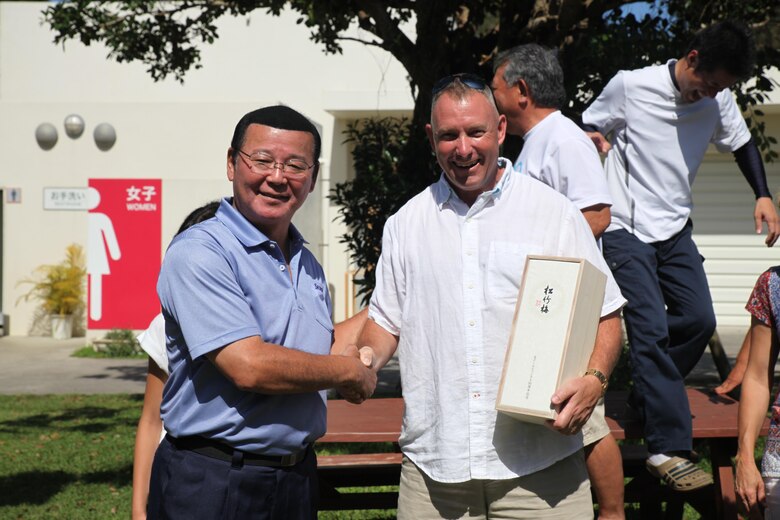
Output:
x=506 y=263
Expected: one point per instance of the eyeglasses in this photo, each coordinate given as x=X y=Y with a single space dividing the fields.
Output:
x=470 y=80
x=261 y=163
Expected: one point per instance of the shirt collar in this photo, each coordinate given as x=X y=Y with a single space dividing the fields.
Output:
x=443 y=192
x=548 y=120
x=246 y=232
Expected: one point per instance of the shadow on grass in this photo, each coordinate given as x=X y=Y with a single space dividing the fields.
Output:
x=32 y=487
x=125 y=373
x=75 y=419
x=116 y=477
x=38 y=487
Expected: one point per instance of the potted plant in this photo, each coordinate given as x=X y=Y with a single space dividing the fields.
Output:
x=60 y=290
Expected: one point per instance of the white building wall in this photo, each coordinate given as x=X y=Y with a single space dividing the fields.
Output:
x=724 y=229
x=179 y=133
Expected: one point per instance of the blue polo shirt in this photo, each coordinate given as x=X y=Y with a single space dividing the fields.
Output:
x=224 y=280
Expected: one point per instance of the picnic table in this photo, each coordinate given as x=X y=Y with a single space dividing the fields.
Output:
x=379 y=421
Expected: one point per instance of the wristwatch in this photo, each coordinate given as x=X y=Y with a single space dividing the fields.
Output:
x=600 y=376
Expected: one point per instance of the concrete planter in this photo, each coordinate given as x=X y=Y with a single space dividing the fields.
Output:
x=61 y=326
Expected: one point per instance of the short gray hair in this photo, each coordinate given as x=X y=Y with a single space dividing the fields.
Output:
x=461 y=91
x=540 y=70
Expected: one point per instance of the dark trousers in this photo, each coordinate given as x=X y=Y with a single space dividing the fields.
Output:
x=185 y=484
x=669 y=320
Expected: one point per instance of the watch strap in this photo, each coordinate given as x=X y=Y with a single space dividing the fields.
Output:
x=600 y=376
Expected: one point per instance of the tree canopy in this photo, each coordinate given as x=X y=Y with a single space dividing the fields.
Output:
x=595 y=39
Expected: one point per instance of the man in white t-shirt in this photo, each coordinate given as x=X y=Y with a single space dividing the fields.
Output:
x=447 y=284
x=528 y=88
x=661 y=120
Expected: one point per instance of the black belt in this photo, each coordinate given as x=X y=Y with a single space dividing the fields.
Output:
x=221 y=451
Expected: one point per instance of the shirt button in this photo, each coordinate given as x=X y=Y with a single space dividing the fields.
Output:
x=272 y=245
x=470 y=286
x=473 y=361
x=471 y=323
x=475 y=395
x=282 y=268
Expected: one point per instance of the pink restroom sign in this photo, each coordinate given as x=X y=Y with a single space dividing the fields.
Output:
x=123 y=252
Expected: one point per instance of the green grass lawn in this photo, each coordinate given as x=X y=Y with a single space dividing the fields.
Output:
x=71 y=456
x=67 y=456
x=89 y=352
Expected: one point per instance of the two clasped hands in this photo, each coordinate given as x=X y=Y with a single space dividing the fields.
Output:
x=360 y=385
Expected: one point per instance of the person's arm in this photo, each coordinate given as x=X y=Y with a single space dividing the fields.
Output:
x=598 y=217
x=377 y=345
x=752 y=167
x=753 y=406
x=196 y=276
x=765 y=212
x=737 y=373
x=255 y=365
x=749 y=161
x=601 y=143
x=347 y=332
x=577 y=397
x=147 y=437
x=605 y=113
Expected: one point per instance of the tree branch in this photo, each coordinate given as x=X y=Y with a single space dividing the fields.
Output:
x=358 y=40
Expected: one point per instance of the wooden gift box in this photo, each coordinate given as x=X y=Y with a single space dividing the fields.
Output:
x=553 y=333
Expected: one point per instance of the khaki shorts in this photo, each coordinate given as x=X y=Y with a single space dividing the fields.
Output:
x=596 y=428
x=558 y=492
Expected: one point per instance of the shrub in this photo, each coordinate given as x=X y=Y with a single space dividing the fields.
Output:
x=120 y=343
x=380 y=187
x=59 y=287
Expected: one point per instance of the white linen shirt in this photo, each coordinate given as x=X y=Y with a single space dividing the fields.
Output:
x=658 y=144
x=557 y=152
x=447 y=283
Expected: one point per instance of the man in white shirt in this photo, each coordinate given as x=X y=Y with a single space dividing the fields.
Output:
x=661 y=120
x=528 y=88
x=447 y=283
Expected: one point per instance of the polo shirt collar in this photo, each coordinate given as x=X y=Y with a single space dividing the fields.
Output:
x=443 y=192
x=246 y=232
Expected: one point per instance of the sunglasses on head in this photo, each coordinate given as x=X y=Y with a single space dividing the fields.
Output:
x=470 y=80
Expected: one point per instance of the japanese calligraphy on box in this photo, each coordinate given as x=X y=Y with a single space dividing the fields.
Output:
x=553 y=333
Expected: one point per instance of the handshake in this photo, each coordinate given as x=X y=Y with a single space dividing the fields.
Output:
x=360 y=379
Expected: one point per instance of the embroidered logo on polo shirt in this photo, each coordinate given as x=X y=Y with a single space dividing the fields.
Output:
x=319 y=290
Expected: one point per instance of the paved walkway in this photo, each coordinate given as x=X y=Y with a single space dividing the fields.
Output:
x=41 y=365
x=36 y=365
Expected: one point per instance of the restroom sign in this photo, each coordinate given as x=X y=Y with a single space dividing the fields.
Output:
x=123 y=252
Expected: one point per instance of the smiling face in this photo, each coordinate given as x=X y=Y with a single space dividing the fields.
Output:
x=696 y=84
x=465 y=135
x=270 y=199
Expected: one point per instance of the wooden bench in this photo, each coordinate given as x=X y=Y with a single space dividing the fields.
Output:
x=379 y=421
x=375 y=421
x=714 y=430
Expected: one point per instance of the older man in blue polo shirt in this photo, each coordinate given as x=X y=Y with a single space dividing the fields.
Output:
x=249 y=334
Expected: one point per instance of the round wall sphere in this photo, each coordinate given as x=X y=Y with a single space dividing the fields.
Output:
x=46 y=135
x=74 y=126
x=105 y=136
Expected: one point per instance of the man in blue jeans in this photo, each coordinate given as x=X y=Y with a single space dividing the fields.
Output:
x=661 y=120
